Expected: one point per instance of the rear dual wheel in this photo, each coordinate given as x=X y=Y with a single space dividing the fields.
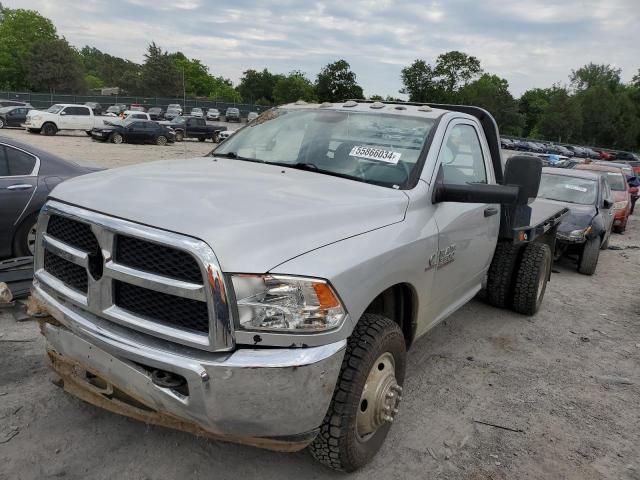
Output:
x=531 y=278
x=366 y=397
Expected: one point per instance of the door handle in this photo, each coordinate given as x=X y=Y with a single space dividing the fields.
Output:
x=490 y=211
x=20 y=186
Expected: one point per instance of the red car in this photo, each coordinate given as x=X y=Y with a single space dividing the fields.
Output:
x=620 y=190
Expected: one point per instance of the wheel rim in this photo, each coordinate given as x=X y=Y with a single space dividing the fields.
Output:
x=380 y=397
x=31 y=239
x=162 y=140
x=1 y=124
x=179 y=137
x=117 y=138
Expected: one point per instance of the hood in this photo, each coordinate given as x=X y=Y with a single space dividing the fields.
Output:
x=254 y=216
x=578 y=217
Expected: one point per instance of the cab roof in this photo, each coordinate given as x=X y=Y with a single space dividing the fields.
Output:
x=401 y=109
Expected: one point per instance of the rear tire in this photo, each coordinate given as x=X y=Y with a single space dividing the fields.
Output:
x=201 y=139
x=500 y=277
x=179 y=136
x=589 y=256
x=49 y=129
x=531 y=278
x=352 y=431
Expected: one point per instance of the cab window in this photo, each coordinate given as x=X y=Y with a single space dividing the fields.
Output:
x=461 y=157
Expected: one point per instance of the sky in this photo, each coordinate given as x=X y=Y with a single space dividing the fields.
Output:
x=531 y=43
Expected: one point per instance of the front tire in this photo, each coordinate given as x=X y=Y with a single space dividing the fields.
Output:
x=366 y=396
x=117 y=138
x=589 y=256
x=161 y=140
x=179 y=136
x=1 y=123
x=49 y=129
x=201 y=139
x=531 y=278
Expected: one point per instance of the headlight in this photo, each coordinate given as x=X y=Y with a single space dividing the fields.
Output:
x=579 y=234
x=620 y=205
x=36 y=117
x=287 y=304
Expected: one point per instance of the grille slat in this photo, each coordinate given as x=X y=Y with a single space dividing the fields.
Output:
x=158 y=259
x=173 y=311
x=76 y=234
x=71 y=274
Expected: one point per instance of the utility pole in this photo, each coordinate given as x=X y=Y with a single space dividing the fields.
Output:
x=184 y=91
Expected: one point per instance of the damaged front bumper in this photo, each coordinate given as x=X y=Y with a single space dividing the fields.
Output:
x=270 y=398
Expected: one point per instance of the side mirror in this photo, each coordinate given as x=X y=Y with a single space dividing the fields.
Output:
x=475 y=193
x=607 y=204
x=63 y=113
x=524 y=171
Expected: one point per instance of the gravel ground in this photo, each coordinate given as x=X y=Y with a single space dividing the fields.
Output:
x=567 y=380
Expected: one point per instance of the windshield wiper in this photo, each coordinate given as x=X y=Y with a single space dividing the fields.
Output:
x=235 y=156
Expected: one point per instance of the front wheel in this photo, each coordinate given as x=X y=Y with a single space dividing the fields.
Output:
x=25 y=240
x=161 y=140
x=49 y=129
x=179 y=136
x=201 y=139
x=1 y=123
x=117 y=138
x=589 y=256
x=366 y=397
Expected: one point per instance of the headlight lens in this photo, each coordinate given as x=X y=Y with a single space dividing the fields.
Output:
x=36 y=117
x=620 y=205
x=288 y=304
x=579 y=233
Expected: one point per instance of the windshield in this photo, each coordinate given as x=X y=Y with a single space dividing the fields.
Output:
x=6 y=109
x=616 y=181
x=55 y=108
x=113 y=109
x=178 y=120
x=368 y=147
x=568 y=189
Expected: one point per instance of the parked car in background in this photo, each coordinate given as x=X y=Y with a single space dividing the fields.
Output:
x=136 y=114
x=95 y=106
x=633 y=181
x=564 y=151
x=13 y=116
x=252 y=116
x=213 y=114
x=137 y=107
x=197 y=112
x=62 y=116
x=14 y=103
x=627 y=156
x=175 y=106
x=587 y=227
x=193 y=127
x=27 y=176
x=604 y=155
x=620 y=190
x=225 y=134
x=506 y=143
x=134 y=131
x=156 y=113
x=116 y=109
x=592 y=154
x=520 y=145
x=232 y=115
x=172 y=113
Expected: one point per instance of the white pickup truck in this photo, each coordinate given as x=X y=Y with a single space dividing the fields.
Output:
x=62 y=116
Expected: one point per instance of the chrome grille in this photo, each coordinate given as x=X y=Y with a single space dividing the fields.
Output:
x=158 y=282
x=175 y=311
x=154 y=258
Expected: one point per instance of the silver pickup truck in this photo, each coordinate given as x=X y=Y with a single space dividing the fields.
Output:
x=267 y=293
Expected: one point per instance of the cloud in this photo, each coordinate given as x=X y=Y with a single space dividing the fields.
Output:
x=531 y=43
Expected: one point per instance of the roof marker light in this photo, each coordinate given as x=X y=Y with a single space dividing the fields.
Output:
x=425 y=108
x=301 y=102
x=326 y=105
x=350 y=103
x=376 y=105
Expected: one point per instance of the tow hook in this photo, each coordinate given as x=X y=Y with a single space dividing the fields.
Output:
x=165 y=379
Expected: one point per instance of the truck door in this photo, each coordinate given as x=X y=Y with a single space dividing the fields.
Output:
x=467 y=232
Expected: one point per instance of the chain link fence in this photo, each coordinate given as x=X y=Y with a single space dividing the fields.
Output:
x=45 y=100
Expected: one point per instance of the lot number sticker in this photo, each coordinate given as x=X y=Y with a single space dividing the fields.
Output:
x=576 y=188
x=377 y=154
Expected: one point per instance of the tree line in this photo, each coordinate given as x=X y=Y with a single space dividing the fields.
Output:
x=594 y=108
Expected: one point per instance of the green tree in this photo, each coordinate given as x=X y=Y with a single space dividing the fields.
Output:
x=492 y=93
x=55 y=67
x=418 y=81
x=255 y=85
x=112 y=71
x=293 y=87
x=20 y=30
x=453 y=71
x=562 y=120
x=376 y=98
x=336 y=82
x=198 y=81
x=626 y=124
x=533 y=103
x=593 y=74
x=93 y=82
x=442 y=82
x=223 y=91
x=160 y=76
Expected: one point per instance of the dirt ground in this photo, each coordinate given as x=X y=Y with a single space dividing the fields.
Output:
x=565 y=384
